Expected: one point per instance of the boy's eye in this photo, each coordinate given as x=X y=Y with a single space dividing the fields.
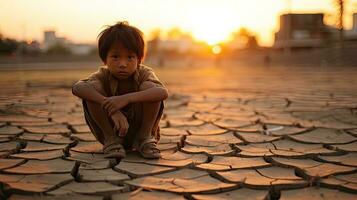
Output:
x=114 y=56
x=131 y=57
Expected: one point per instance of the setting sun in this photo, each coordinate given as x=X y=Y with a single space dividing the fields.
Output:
x=216 y=49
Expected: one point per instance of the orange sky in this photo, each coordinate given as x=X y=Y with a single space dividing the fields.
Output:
x=208 y=20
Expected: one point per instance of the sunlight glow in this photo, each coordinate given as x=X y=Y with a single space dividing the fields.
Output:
x=210 y=21
x=211 y=26
x=216 y=49
x=211 y=37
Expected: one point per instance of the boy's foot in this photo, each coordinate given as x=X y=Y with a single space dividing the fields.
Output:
x=115 y=150
x=148 y=149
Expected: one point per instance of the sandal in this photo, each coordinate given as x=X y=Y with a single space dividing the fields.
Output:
x=115 y=150
x=148 y=149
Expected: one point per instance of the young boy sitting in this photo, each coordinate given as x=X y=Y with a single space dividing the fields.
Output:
x=123 y=100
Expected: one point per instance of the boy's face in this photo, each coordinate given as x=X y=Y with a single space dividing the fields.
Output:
x=121 y=62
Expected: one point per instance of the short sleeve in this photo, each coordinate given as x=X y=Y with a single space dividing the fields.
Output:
x=96 y=79
x=148 y=74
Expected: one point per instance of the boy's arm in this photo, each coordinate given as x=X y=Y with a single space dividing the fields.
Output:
x=149 y=91
x=88 y=92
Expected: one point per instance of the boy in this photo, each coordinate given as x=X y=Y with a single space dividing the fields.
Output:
x=123 y=101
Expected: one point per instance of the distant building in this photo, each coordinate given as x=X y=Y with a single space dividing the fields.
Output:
x=179 y=45
x=352 y=34
x=238 y=42
x=81 y=49
x=50 y=39
x=302 y=31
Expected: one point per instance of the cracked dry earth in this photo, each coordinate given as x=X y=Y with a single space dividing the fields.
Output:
x=227 y=133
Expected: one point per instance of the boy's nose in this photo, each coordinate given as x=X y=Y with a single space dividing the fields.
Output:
x=122 y=63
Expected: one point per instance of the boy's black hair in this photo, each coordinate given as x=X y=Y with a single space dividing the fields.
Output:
x=129 y=36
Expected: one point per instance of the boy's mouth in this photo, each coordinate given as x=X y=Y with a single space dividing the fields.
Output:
x=122 y=73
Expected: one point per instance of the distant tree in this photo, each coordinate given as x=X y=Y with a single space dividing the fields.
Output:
x=8 y=46
x=246 y=37
x=155 y=34
x=153 y=43
x=244 y=32
x=58 y=49
x=252 y=43
x=28 y=48
x=176 y=33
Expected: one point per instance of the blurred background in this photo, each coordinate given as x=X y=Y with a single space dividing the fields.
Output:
x=185 y=32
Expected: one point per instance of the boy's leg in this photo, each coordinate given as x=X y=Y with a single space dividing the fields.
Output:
x=101 y=119
x=145 y=142
x=149 y=114
x=150 y=111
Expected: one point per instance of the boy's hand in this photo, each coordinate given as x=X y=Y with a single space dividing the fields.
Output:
x=120 y=123
x=115 y=103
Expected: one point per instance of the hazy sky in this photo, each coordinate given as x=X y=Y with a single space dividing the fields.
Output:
x=208 y=20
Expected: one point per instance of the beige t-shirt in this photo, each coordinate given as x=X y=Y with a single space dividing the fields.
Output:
x=102 y=80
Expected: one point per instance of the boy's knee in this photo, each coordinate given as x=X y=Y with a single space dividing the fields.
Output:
x=75 y=87
x=148 y=84
x=91 y=104
x=153 y=105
